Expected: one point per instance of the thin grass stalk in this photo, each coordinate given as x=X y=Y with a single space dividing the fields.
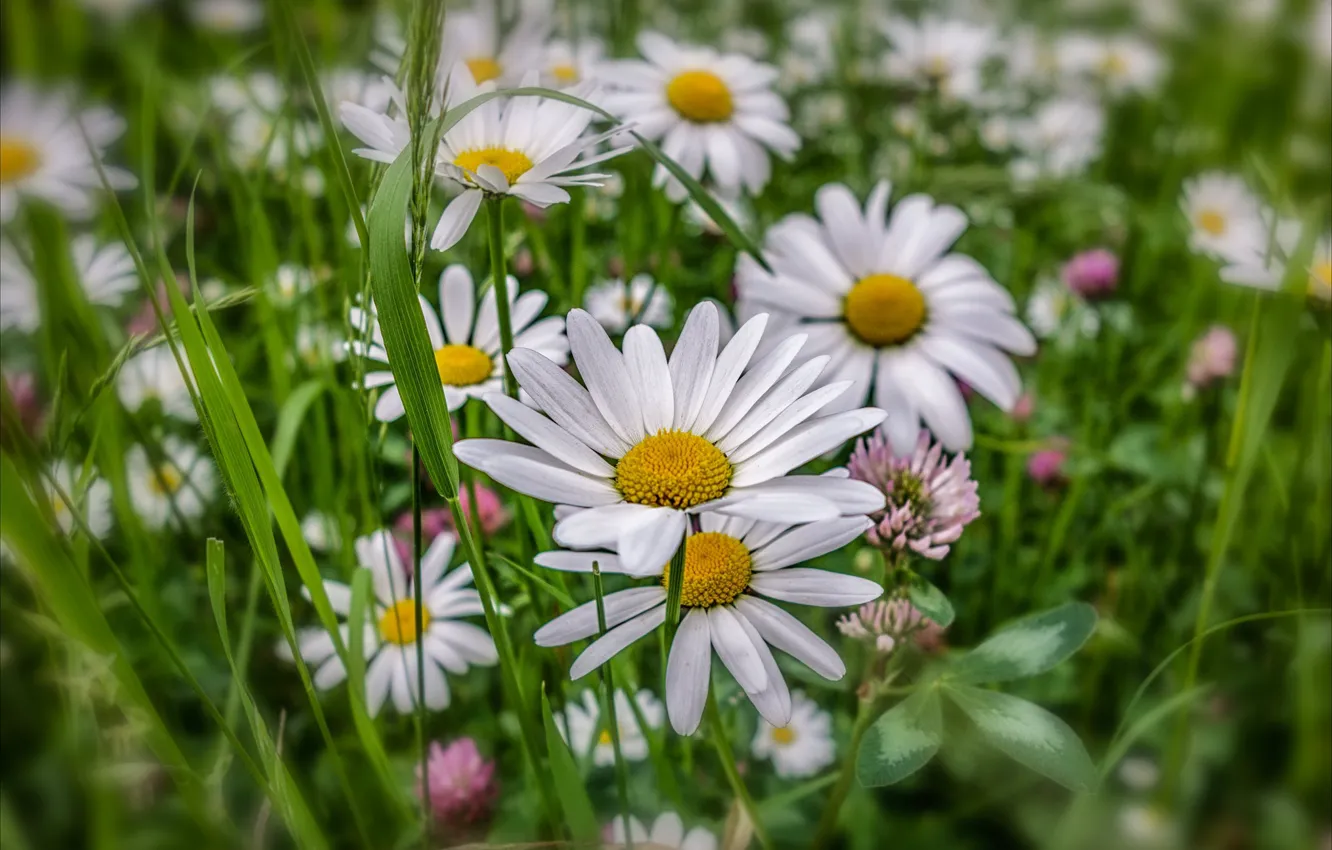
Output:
x=500 y=280
x=717 y=732
x=608 y=711
x=419 y=615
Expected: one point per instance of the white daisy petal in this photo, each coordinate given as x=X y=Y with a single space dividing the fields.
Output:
x=730 y=365
x=579 y=562
x=565 y=401
x=596 y=527
x=456 y=219
x=774 y=701
x=535 y=473
x=687 y=672
x=546 y=435
x=647 y=543
x=609 y=645
x=736 y=651
x=646 y=361
x=692 y=363
x=805 y=443
x=581 y=622
x=815 y=587
x=806 y=542
x=457 y=300
x=793 y=637
x=605 y=374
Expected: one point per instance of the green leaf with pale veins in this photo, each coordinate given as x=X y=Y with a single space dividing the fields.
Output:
x=1027 y=647
x=1028 y=734
x=930 y=601
x=902 y=741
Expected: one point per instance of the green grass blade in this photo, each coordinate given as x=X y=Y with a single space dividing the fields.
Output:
x=577 y=806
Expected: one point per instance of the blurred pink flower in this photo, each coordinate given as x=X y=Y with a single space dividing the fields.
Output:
x=22 y=388
x=145 y=320
x=930 y=498
x=1046 y=467
x=435 y=521
x=461 y=784
x=1023 y=408
x=522 y=263
x=1212 y=357
x=1093 y=273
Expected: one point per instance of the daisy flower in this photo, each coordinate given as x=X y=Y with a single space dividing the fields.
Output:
x=804 y=746
x=527 y=147
x=1059 y=140
x=711 y=111
x=1224 y=215
x=505 y=56
x=616 y=304
x=1262 y=263
x=92 y=499
x=586 y=732
x=176 y=488
x=810 y=54
x=668 y=833
x=317 y=344
x=946 y=53
x=290 y=282
x=320 y=530
x=729 y=565
x=352 y=85
x=43 y=154
x=227 y=16
x=106 y=274
x=900 y=316
x=565 y=64
x=467 y=344
x=153 y=375
x=686 y=436
x=1121 y=64
x=450 y=643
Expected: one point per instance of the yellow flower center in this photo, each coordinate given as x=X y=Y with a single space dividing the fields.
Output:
x=673 y=469
x=604 y=739
x=18 y=159
x=165 y=480
x=1212 y=222
x=716 y=570
x=884 y=309
x=1320 y=280
x=514 y=164
x=565 y=74
x=1113 y=65
x=700 y=96
x=462 y=365
x=398 y=625
x=937 y=67
x=784 y=735
x=484 y=69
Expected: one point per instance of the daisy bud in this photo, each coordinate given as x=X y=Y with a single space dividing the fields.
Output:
x=461 y=784
x=1093 y=273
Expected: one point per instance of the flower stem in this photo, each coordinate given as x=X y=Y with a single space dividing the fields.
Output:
x=717 y=731
x=420 y=646
x=828 y=822
x=674 y=590
x=485 y=586
x=500 y=280
x=608 y=712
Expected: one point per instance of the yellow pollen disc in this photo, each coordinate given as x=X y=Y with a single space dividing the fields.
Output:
x=700 y=96
x=18 y=159
x=514 y=164
x=398 y=625
x=484 y=69
x=783 y=735
x=1320 y=280
x=716 y=570
x=565 y=73
x=937 y=67
x=1113 y=65
x=165 y=480
x=605 y=738
x=1212 y=222
x=884 y=309
x=462 y=365
x=673 y=469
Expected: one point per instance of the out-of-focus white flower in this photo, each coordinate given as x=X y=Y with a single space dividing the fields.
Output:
x=566 y=64
x=1121 y=64
x=290 y=282
x=1056 y=313
x=946 y=53
x=43 y=154
x=177 y=487
x=106 y=274
x=115 y=11
x=802 y=747
x=152 y=375
x=585 y=730
x=1060 y=140
x=471 y=37
x=320 y=530
x=91 y=499
x=809 y=56
x=1225 y=216
x=616 y=304
x=1320 y=35
x=352 y=85
x=1139 y=773
x=668 y=833
x=227 y=16
x=231 y=94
